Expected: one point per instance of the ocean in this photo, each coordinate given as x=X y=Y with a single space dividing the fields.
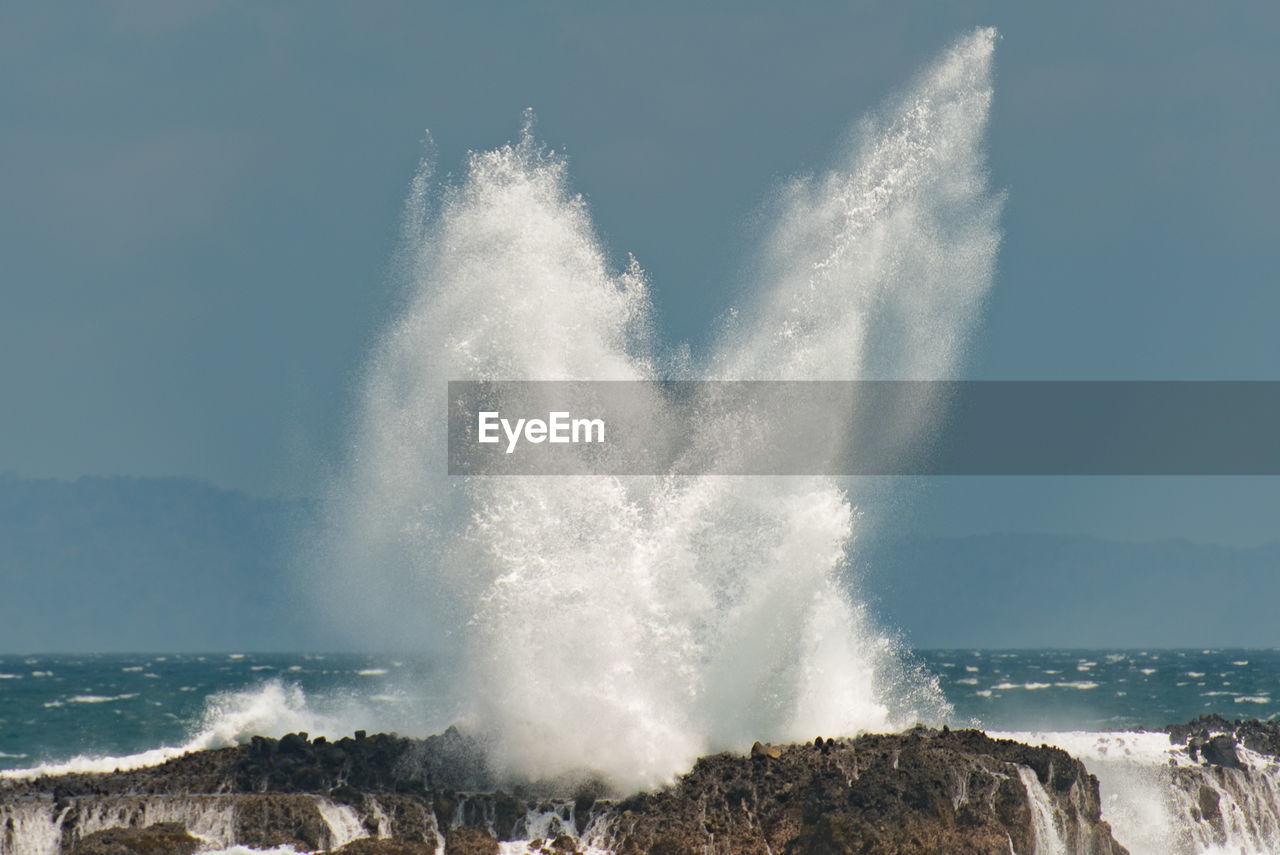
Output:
x=629 y=625
x=85 y=711
x=65 y=713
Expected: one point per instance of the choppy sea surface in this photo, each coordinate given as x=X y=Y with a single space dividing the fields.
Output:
x=1105 y=690
x=54 y=709
x=59 y=708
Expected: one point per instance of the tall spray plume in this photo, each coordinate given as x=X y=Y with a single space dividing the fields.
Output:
x=621 y=627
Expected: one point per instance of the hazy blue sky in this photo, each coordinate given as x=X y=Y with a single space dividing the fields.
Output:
x=198 y=203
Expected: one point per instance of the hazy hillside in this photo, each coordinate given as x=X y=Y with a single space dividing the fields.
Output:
x=99 y=564
x=145 y=564
x=1030 y=590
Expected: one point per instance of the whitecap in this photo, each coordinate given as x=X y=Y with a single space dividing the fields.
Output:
x=100 y=699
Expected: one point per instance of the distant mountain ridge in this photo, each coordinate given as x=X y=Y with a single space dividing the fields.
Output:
x=177 y=565
x=1049 y=590
x=146 y=564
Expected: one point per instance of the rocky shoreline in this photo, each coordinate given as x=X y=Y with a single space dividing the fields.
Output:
x=920 y=791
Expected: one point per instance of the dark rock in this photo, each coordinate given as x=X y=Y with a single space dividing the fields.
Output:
x=446 y=807
x=1209 y=803
x=506 y=812
x=165 y=838
x=582 y=806
x=348 y=795
x=293 y=743
x=883 y=795
x=469 y=841
x=761 y=750
x=914 y=792
x=1220 y=750
x=333 y=757
x=281 y=820
x=1260 y=736
x=411 y=818
x=309 y=779
x=1202 y=726
x=368 y=846
x=261 y=746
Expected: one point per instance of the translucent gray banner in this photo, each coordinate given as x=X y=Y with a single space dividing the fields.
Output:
x=865 y=428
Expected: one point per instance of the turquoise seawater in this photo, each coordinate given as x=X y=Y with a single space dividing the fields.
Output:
x=58 y=707
x=55 y=708
x=1105 y=689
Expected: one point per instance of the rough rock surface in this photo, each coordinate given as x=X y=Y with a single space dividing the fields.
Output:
x=1213 y=739
x=918 y=792
x=295 y=764
x=261 y=820
x=385 y=846
x=167 y=838
x=1228 y=798
x=922 y=791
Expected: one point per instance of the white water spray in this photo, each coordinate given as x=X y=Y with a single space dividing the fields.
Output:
x=623 y=626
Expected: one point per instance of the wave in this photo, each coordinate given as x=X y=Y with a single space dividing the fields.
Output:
x=273 y=709
x=100 y=699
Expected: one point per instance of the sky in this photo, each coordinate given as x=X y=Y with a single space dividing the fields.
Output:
x=200 y=203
